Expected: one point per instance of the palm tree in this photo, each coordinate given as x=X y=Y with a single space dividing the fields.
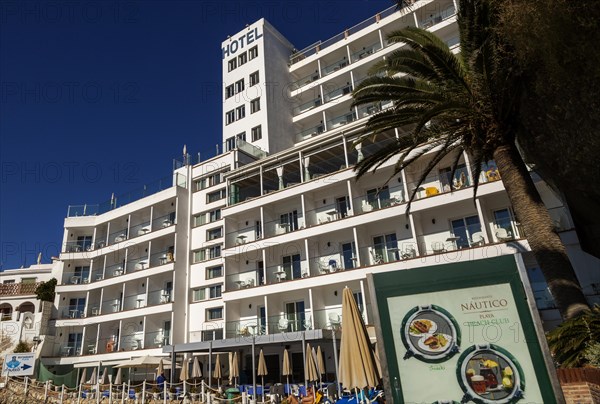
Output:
x=447 y=104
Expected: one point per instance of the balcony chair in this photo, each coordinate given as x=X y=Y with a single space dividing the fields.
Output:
x=431 y=191
x=366 y=206
x=334 y=319
x=477 y=239
x=409 y=253
x=283 y=324
x=438 y=247
x=332 y=264
x=377 y=259
x=503 y=235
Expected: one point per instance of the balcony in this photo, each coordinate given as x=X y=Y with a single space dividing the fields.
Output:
x=366 y=51
x=434 y=19
x=17 y=289
x=338 y=92
x=310 y=132
x=307 y=106
x=335 y=66
x=341 y=120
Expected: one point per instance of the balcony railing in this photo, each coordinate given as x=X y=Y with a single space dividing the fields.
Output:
x=310 y=132
x=307 y=106
x=341 y=120
x=335 y=66
x=127 y=198
x=366 y=51
x=244 y=280
x=16 y=289
x=438 y=17
x=338 y=92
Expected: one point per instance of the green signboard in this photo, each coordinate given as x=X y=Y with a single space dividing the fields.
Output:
x=460 y=333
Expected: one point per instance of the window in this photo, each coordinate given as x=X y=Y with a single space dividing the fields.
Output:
x=243 y=58
x=206 y=253
x=216 y=313
x=385 y=248
x=253 y=79
x=464 y=228
x=229 y=117
x=209 y=181
x=207 y=217
x=210 y=292
x=214 y=291
x=253 y=52
x=232 y=64
x=378 y=197
x=291 y=265
x=212 y=335
x=230 y=143
x=229 y=91
x=212 y=234
x=240 y=112
x=215 y=196
x=239 y=86
x=256 y=133
x=289 y=221
x=214 y=272
x=255 y=105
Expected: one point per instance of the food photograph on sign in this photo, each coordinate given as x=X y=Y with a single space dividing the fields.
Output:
x=430 y=334
x=489 y=374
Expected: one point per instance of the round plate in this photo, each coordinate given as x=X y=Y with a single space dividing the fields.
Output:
x=432 y=329
x=427 y=348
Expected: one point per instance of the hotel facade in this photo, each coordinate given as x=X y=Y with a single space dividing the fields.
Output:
x=255 y=244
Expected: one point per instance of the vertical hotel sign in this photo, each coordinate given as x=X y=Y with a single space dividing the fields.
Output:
x=460 y=333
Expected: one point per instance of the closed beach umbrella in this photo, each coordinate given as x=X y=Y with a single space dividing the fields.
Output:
x=119 y=377
x=320 y=362
x=286 y=368
x=196 y=371
x=184 y=375
x=93 y=377
x=235 y=368
x=83 y=376
x=217 y=372
x=161 y=367
x=262 y=371
x=357 y=364
x=310 y=368
x=104 y=378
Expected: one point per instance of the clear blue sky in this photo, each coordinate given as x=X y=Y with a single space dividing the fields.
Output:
x=98 y=96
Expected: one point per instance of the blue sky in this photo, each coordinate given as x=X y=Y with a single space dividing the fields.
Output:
x=98 y=97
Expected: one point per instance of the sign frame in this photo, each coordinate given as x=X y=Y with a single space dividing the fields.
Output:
x=459 y=275
x=25 y=365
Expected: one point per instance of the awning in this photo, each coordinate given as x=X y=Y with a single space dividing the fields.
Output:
x=97 y=363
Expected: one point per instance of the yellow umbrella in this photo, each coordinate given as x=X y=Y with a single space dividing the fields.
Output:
x=217 y=372
x=184 y=375
x=287 y=368
x=235 y=368
x=320 y=362
x=161 y=367
x=377 y=360
x=196 y=371
x=262 y=371
x=310 y=368
x=357 y=364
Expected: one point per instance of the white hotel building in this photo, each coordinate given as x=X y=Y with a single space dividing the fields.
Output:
x=260 y=240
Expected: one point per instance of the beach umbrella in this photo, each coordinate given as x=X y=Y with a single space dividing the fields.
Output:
x=93 y=378
x=235 y=368
x=320 y=363
x=286 y=368
x=376 y=357
x=217 y=372
x=357 y=369
x=262 y=371
x=310 y=368
x=83 y=376
x=185 y=374
x=104 y=377
x=196 y=371
x=119 y=377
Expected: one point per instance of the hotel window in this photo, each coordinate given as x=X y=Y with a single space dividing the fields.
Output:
x=229 y=91
x=209 y=181
x=207 y=217
x=253 y=79
x=207 y=253
x=239 y=86
x=256 y=133
x=242 y=59
x=240 y=112
x=230 y=117
x=215 y=233
x=214 y=272
x=212 y=335
x=232 y=64
x=214 y=215
x=214 y=291
x=210 y=292
x=198 y=295
x=253 y=52
x=215 y=196
x=216 y=313
x=255 y=105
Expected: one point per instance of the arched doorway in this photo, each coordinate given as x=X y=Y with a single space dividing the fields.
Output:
x=27 y=307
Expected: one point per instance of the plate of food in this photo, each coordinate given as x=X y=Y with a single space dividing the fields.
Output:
x=421 y=327
x=436 y=342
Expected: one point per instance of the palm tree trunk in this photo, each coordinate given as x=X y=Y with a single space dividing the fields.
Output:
x=545 y=243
